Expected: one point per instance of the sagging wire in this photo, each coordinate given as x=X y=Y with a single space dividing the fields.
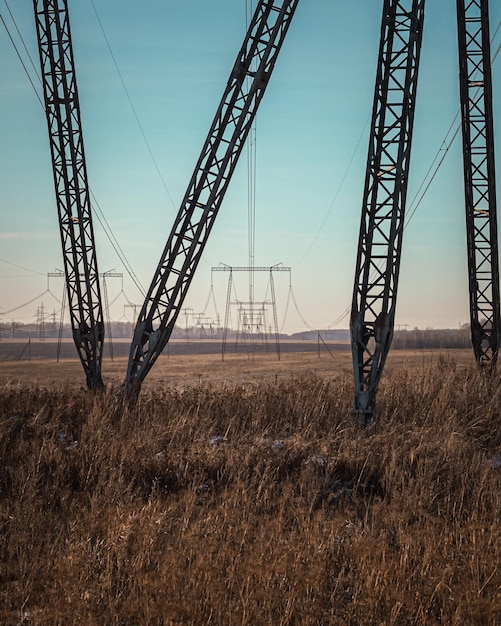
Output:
x=133 y=108
x=431 y=172
x=108 y=231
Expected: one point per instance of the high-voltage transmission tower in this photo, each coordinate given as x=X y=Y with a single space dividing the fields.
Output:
x=385 y=190
x=248 y=309
x=207 y=187
x=475 y=84
x=383 y=210
x=70 y=179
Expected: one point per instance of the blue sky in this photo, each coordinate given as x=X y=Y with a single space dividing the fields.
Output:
x=312 y=137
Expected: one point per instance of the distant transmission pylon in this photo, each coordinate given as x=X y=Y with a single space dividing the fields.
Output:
x=41 y=322
x=251 y=314
x=104 y=275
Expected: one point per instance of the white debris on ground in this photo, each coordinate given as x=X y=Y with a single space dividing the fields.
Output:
x=495 y=462
x=217 y=440
x=319 y=459
x=66 y=442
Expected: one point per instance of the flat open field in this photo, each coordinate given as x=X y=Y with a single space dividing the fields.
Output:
x=201 y=362
x=241 y=493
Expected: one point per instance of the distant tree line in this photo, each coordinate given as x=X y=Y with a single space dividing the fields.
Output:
x=432 y=338
x=405 y=339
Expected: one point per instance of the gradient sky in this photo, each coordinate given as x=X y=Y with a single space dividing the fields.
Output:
x=312 y=137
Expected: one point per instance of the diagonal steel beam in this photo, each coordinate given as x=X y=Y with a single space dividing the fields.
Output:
x=384 y=199
x=245 y=89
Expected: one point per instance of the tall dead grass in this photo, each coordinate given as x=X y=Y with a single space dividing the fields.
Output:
x=253 y=504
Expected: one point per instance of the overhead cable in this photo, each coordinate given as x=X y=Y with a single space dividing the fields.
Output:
x=99 y=215
x=432 y=170
x=334 y=200
x=442 y=152
x=21 y=306
x=20 y=267
x=22 y=62
x=33 y=65
x=133 y=108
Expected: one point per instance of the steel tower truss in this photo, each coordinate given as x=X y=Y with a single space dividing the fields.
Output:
x=382 y=222
x=475 y=84
x=208 y=185
x=70 y=179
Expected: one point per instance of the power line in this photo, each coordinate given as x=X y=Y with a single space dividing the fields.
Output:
x=298 y=311
x=433 y=168
x=423 y=183
x=108 y=231
x=133 y=108
x=22 y=62
x=115 y=245
x=334 y=200
x=33 y=65
x=21 y=306
x=444 y=149
x=20 y=267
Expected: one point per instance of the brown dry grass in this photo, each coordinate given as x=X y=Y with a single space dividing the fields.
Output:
x=253 y=500
x=209 y=368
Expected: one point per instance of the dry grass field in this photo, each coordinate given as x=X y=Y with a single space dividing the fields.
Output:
x=204 y=366
x=241 y=493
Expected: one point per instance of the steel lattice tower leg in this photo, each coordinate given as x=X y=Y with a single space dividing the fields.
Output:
x=382 y=223
x=243 y=93
x=475 y=83
x=70 y=179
